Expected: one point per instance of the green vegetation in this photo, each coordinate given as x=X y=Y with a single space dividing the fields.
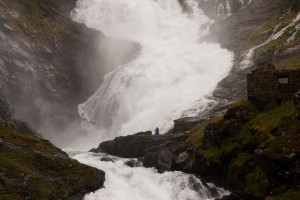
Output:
x=196 y=134
x=268 y=21
x=234 y=157
x=32 y=168
x=293 y=194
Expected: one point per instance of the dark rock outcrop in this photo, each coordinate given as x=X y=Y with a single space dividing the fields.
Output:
x=6 y=113
x=161 y=152
x=5 y=110
x=161 y=160
x=32 y=168
x=280 y=157
x=133 y=163
x=107 y=159
x=135 y=146
x=242 y=196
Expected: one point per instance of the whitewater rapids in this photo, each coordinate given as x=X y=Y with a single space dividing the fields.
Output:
x=169 y=78
x=123 y=182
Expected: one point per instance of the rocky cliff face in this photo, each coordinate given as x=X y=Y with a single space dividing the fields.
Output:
x=269 y=28
x=49 y=64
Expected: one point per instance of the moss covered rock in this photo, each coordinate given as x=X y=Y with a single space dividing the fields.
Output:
x=33 y=168
x=254 y=150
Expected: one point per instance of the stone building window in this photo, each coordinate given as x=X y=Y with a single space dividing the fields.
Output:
x=283 y=82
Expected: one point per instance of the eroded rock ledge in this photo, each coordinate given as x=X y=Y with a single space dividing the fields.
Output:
x=164 y=152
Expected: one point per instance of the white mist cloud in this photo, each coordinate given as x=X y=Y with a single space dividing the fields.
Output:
x=172 y=73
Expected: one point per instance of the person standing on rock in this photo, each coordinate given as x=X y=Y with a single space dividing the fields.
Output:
x=156 y=131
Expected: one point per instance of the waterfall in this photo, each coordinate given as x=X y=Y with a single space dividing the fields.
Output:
x=123 y=182
x=248 y=61
x=172 y=73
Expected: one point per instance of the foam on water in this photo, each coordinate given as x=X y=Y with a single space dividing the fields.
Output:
x=123 y=182
x=172 y=73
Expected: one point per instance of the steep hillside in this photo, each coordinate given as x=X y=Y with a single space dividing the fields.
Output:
x=252 y=148
x=262 y=30
x=49 y=64
x=32 y=168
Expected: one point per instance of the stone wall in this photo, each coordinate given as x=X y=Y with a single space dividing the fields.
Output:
x=278 y=85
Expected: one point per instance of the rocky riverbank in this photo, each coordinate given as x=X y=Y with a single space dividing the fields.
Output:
x=249 y=149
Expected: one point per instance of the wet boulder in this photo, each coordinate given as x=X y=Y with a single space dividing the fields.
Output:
x=138 y=145
x=183 y=157
x=107 y=159
x=133 y=163
x=161 y=160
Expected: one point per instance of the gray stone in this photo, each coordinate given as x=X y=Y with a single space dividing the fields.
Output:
x=182 y=158
x=161 y=160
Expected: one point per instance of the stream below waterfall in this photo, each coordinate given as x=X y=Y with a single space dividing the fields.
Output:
x=139 y=183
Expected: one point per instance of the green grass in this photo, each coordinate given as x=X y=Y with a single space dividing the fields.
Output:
x=259 y=128
x=235 y=156
x=293 y=194
x=40 y=161
x=196 y=134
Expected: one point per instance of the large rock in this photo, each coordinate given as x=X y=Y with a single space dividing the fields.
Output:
x=135 y=146
x=32 y=168
x=164 y=152
x=161 y=160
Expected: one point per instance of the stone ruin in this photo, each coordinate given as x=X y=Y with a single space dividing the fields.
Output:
x=272 y=84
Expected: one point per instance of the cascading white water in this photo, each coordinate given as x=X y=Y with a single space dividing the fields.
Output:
x=172 y=73
x=248 y=61
x=123 y=182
